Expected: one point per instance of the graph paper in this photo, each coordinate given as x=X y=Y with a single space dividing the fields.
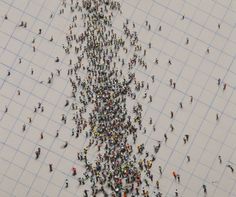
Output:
x=195 y=44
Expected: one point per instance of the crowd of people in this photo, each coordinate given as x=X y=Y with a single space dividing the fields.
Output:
x=105 y=94
x=105 y=105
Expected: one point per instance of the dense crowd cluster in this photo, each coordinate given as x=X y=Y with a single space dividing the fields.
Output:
x=103 y=93
x=104 y=105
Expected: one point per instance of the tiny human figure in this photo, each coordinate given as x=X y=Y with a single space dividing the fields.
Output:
x=50 y=167
x=166 y=138
x=149 y=45
x=188 y=158
x=160 y=170
x=220 y=159
x=37 y=153
x=217 y=117
x=172 y=127
x=218 y=81
x=41 y=135
x=191 y=99
x=186 y=137
x=65 y=145
x=174 y=175
x=57 y=134
x=157 y=184
x=230 y=167
x=21 y=24
x=85 y=193
x=174 y=84
x=23 y=127
x=153 y=78
x=159 y=194
x=58 y=72
x=187 y=41
x=57 y=59
x=150 y=120
x=204 y=189
x=74 y=172
x=40 y=31
x=178 y=178
x=176 y=193
x=67 y=184
x=224 y=87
